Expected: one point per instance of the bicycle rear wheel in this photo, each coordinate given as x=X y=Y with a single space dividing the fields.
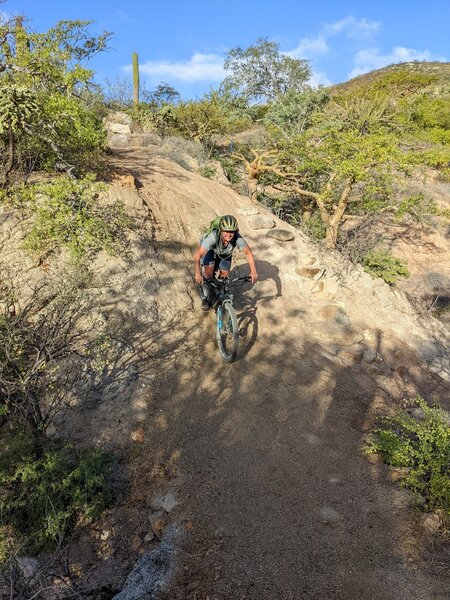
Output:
x=227 y=332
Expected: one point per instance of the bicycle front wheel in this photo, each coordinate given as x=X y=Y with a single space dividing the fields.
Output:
x=227 y=332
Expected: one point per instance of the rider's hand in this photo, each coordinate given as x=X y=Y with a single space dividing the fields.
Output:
x=198 y=278
x=254 y=276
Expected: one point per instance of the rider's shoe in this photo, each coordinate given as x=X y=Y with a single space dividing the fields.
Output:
x=205 y=305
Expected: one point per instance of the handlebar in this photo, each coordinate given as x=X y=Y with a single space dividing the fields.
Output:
x=226 y=281
x=244 y=279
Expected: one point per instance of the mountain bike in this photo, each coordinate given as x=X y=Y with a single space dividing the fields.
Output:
x=221 y=299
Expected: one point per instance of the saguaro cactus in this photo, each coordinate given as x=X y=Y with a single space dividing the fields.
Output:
x=135 y=79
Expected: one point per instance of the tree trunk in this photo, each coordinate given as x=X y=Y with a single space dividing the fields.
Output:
x=331 y=235
x=253 y=189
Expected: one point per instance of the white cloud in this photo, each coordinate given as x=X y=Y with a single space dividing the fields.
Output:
x=352 y=27
x=319 y=78
x=372 y=58
x=310 y=47
x=318 y=46
x=200 y=67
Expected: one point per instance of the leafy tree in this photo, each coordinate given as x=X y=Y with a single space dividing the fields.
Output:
x=18 y=110
x=342 y=146
x=43 y=81
x=201 y=120
x=163 y=94
x=262 y=72
x=291 y=114
x=118 y=93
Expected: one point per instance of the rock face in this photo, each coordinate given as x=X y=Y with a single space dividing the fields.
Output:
x=152 y=574
x=118 y=128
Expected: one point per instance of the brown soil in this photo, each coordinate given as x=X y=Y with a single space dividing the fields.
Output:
x=263 y=455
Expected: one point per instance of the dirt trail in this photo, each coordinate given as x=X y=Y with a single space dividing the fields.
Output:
x=263 y=456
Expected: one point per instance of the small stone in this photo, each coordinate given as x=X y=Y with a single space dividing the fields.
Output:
x=169 y=502
x=398 y=473
x=402 y=371
x=149 y=537
x=119 y=128
x=328 y=516
x=416 y=412
x=374 y=459
x=192 y=586
x=371 y=356
x=136 y=543
x=335 y=333
x=370 y=335
x=156 y=503
x=138 y=435
x=310 y=272
x=282 y=235
x=248 y=211
x=352 y=355
x=431 y=522
x=260 y=222
x=308 y=260
x=105 y=535
x=332 y=312
x=28 y=566
x=158 y=521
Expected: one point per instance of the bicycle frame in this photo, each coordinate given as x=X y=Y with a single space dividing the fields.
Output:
x=220 y=289
x=226 y=322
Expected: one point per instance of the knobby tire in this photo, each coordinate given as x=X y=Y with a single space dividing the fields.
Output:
x=227 y=332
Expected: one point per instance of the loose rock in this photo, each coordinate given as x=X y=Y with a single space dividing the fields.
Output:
x=310 y=272
x=260 y=222
x=431 y=523
x=282 y=235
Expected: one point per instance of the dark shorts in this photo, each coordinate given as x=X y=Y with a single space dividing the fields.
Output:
x=210 y=258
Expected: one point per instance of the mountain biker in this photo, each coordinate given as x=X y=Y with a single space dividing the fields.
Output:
x=215 y=252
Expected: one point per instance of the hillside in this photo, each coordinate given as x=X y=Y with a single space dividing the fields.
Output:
x=251 y=473
x=438 y=72
x=134 y=462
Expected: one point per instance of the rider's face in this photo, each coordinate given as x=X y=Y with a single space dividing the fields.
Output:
x=227 y=236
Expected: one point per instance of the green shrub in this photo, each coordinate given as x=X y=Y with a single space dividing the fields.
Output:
x=418 y=206
x=230 y=169
x=315 y=227
x=68 y=213
x=208 y=172
x=380 y=263
x=423 y=447
x=41 y=498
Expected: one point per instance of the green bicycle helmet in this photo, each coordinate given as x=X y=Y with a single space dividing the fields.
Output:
x=228 y=223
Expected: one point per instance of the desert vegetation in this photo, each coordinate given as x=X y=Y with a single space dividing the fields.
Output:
x=318 y=157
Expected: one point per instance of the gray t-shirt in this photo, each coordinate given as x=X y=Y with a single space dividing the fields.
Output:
x=213 y=241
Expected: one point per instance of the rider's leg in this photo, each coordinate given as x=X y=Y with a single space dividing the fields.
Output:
x=224 y=267
x=207 y=264
x=208 y=271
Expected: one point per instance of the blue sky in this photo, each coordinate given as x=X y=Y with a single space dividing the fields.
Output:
x=184 y=43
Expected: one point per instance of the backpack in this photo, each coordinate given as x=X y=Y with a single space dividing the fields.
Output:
x=213 y=226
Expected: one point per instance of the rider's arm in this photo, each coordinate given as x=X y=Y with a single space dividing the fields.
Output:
x=199 y=253
x=251 y=262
